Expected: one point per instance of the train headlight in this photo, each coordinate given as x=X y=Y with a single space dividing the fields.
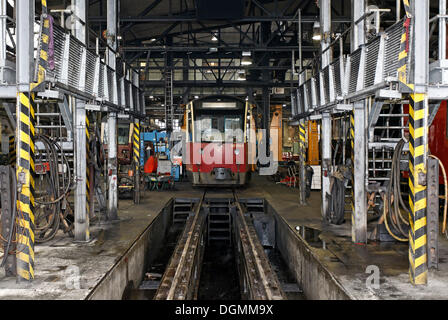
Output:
x=237 y=151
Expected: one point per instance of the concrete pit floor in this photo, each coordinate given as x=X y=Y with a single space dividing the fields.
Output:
x=68 y=270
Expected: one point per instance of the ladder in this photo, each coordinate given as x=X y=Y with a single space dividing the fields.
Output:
x=219 y=220
x=169 y=112
x=182 y=209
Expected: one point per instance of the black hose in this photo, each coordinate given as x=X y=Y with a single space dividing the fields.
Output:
x=336 y=204
x=394 y=199
x=52 y=218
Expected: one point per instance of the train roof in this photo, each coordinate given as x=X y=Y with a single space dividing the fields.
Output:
x=222 y=96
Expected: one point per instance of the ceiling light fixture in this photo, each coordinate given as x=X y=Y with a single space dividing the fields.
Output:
x=316 y=32
x=246 y=61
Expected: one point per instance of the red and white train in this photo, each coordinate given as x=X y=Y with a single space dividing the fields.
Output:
x=217 y=130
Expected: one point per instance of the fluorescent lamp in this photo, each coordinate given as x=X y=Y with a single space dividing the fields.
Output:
x=246 y=61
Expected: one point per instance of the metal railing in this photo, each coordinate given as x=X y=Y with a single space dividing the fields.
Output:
x=72 y=68
x=351 y=77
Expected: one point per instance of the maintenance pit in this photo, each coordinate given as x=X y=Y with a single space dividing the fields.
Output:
x=221 y=271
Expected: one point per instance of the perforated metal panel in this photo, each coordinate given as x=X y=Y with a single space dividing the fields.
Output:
x=326 y=76
x=90 y=75
x=337 y=77
x=393 y=49
x=372 y=52
x=354 y=70
x=101 y=82
x=392 y=41
x=74 y=63
x=308 y=95
x=318 y=90
x=110 y=83
x=77 y=71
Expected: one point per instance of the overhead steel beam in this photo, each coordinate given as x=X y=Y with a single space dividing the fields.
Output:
x=193 y=18
x=147 y=10
x=206 y=49
x=224 y=83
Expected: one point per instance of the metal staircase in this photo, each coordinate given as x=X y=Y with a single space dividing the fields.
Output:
x=219 y=220
x=182 y=209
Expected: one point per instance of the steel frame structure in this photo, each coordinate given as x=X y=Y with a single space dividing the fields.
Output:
x=381 y=70
x=67 y=72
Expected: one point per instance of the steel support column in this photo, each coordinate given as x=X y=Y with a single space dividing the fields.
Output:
x=112 y=162
x=359 y=205
x=136 y=148
x=82 y=232
x=418 y=143
x=325 y=24
x=25 y=141
x=358 y=123
x=302 y=164
x=326 y=159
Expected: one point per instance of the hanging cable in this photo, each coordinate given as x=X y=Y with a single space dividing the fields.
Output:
x=49 y=215
x=393 y=199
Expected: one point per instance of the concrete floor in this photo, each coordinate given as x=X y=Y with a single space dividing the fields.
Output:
x=65 y=270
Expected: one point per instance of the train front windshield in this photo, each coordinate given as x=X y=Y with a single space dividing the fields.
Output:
x=221 y=125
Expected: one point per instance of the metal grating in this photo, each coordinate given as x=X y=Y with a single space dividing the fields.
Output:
x=337 y=77
x=318 y=90
x=77 y=72
x=127 y=93
x=59 y=46
x=372 y=52
x=74 y=64
x=90 y=76
x=393 y=49
x=308 y=95
x=110 y=83
x=101 y=82
x=391 y=53
x=119 y=102
x=354 y=70
x=326 y=76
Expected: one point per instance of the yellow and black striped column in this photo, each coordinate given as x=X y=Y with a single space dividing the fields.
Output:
x=89 y=205
x=25 y=183
x=405 y=87
x=12 y=151
x=136 y=159
x=43 y=62
x=302 y=175
x=418 y=270
x=352 y=156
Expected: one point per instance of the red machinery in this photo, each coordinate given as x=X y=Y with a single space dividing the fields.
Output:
x=438 y=135
x=217 y=148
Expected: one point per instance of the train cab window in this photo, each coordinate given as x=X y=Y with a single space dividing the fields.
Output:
x=207 y=129
x=233 y=130
x=123 y=134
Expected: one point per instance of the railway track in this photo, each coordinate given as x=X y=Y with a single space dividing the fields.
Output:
x=181 y=278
